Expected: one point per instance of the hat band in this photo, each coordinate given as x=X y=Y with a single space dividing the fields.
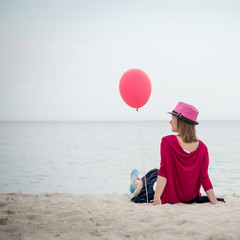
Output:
x=184 y=118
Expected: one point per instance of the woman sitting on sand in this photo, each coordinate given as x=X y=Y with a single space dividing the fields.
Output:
x=184 y=161
x=184 y=166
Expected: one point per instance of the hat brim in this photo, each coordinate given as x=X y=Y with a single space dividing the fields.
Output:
x=184 y=118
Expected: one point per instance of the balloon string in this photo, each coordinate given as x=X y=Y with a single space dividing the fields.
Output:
x=140 y=131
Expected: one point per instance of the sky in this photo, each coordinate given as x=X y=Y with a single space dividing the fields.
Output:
x=63 y=60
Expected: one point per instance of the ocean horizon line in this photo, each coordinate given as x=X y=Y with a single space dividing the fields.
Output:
x=109 y=120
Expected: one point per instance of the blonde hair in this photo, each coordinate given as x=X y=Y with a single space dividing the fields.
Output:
x=187 y=131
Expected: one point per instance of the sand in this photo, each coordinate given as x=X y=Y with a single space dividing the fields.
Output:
x=63 y=216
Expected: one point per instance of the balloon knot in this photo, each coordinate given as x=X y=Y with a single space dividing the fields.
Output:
x=137 y=110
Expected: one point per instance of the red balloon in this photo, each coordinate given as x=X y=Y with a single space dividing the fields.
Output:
x=135 y=88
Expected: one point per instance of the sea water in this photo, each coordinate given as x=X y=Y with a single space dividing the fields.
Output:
x=97 y=157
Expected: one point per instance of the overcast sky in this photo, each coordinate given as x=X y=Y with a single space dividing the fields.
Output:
x=62 y=60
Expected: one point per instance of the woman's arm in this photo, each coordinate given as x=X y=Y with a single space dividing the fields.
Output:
x=162 y=174
x=211 y=196
x=161 y=183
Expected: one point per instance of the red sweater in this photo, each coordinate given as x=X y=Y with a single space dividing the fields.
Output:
x=185 y=172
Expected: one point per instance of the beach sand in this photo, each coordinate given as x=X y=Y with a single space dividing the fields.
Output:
x=63 y=216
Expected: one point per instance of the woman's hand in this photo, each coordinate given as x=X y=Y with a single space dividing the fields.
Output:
x=156 y=201
x=161 y=183
x=212 y=197
x=218 y=202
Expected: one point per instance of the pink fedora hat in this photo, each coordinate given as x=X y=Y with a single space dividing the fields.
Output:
x=186 y=112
